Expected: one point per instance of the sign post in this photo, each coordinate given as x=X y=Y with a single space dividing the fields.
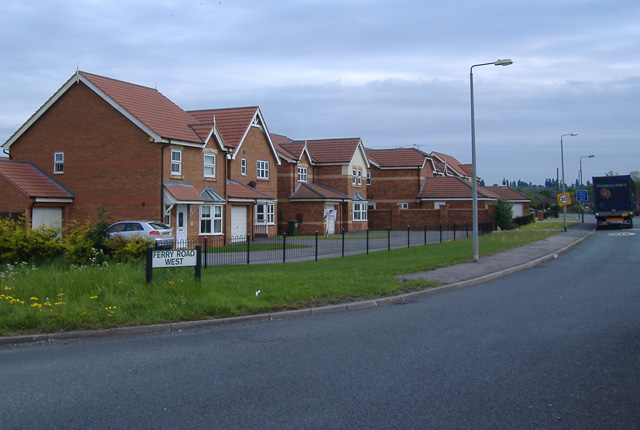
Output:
x=174 y=258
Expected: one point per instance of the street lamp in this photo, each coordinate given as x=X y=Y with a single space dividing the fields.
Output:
x=474 y=178
x=581 y=208
x=564 y=208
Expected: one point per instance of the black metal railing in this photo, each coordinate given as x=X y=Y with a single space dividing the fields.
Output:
x=217 y=250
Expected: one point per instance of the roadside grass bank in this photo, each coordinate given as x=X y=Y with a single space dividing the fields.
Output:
x=549 y=225
x=53 y=298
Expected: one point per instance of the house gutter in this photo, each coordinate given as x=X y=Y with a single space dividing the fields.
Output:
x=164 y=145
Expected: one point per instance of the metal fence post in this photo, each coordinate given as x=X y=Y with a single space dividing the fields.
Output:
x=367 y=240
x=408 y=236
x=316 y=246
x=248 y=248
x=205 y=252
x=343 y=243
x=284 y=247
x=440 y=233
x=388 y=238
x=425 y=234
x=198 y=269
x=454 y=231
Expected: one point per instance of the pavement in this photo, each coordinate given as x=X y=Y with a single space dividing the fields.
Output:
x=457 y=276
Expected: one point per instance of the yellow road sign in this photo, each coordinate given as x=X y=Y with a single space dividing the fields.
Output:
x=564 y=199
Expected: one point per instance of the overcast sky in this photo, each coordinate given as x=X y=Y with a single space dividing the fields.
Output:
x=395 y=73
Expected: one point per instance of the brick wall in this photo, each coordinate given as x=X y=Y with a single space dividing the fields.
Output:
x=396 y=218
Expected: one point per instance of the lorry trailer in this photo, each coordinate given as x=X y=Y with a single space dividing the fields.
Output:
x=613 y=201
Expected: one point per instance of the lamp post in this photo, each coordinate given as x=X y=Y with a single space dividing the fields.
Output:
x=581 y=206
x=474 y=178
x=564 y=208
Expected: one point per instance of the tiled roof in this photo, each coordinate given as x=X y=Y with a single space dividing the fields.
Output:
x=308 y=190
x=450 y=187
x=399 y=157
x=452 y=163
x=148 y=106
x=232 y=123
x=183 y=192
x=508 y=193
x=332 y=150
x=278 y=138
x=31 y=180
x=290 y=150
x=241 y=191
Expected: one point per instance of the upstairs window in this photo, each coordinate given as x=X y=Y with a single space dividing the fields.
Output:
x=243 y=167
x=359 y=177
x=354 y=174
x=58 y=162
x=209 y=165
x=262 y=169
x=176 y=162
x=302 y=174
x=368 y=178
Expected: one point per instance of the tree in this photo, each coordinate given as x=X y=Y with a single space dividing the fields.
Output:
x=503 y=214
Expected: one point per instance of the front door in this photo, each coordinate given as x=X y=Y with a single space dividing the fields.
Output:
x=330 y=219
x=181 y=226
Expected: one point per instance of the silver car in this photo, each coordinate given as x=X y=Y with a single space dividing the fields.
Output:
x=154 y=230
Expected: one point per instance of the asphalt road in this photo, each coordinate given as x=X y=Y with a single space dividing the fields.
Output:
x=557 y=346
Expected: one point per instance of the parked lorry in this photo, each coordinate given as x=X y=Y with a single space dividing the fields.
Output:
x=613 y=201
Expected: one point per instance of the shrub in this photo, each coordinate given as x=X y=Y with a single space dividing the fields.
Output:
x=127 y=250
x=503 y=215
x=19 y=243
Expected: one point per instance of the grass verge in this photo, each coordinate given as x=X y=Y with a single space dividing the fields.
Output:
x=52 y=298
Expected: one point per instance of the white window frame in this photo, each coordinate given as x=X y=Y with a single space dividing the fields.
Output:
x=302 y=174
x=359 y=177
x=209 y=165
x=243 y=166
x=176 y=162
x=354 y=175
x=368 y=177
x=360 y=211
x=58 y=163
x=262 y=169
x=403 y=205
x=265 y=213
x=211 y=220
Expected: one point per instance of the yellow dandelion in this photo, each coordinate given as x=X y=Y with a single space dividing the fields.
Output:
x=35 y=299
x=93 y=297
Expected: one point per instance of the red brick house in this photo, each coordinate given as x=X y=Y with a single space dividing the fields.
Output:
x=322 y=185
x=396 y=177
x=520 y=202
x=131 y=150
x=251 y=169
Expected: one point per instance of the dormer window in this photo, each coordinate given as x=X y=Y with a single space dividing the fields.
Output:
x=302 y=174
x=209 y=165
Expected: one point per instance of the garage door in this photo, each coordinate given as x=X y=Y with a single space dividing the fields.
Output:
x=518 y=210
x=238 y=223
x=46 y=217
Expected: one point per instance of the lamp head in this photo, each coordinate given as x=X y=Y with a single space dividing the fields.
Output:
x=504 y=62
x=573 y=134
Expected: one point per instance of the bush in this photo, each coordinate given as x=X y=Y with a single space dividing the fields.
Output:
x=503 y=215
x=19 y=243
x=127 y=250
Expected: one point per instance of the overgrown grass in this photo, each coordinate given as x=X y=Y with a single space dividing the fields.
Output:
x=53 y=298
